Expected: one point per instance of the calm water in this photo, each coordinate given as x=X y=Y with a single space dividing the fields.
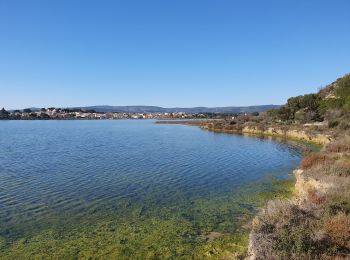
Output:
x=55 y=175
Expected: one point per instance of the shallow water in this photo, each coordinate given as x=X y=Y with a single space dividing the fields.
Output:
x=61 y=176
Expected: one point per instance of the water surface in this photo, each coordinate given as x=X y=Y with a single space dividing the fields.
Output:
x=140 y=189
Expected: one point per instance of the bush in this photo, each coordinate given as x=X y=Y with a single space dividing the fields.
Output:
x=316 y=198
x=333 y=114
x=337 y=148
x=339 y=169
x=342 y=99
x=343 y=89
x=295 y=239
x=314 y=160
x=332 y=103
x=332 y=124
x=232 y=128
x=338 y=228
x=344 y=125
x=300 y=115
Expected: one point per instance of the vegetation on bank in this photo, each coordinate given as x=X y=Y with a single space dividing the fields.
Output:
x=330 y=104
x=326 y=113
x=317 y=224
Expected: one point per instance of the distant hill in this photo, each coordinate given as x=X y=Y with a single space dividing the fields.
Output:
x=155 y=109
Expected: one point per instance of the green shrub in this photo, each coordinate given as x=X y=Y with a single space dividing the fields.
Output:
x=295 y=240
x=331 y=103
x=343 y=89
x=344 y=125
x=332 y=124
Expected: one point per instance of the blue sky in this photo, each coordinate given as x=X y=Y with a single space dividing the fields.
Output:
x=169 y=53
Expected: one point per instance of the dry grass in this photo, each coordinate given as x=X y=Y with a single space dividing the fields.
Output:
x=338 y=229
x=318 y=226
x=316 y=198
x=277 y=212
x=340 y=168
x=337 y=148
x=316 y=159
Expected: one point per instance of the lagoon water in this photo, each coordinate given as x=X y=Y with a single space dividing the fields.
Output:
x=129 y=188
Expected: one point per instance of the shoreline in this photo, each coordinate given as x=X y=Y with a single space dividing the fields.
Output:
x=302 y=184
x=292 y=134
x=273 y=131
x=321 y=182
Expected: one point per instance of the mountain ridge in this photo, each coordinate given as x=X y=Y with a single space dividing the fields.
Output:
x=158 y=109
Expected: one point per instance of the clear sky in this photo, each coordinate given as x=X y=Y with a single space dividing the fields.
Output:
x=169 y=53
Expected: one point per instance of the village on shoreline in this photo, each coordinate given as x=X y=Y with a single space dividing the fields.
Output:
x=285 y=227
x=73 y=114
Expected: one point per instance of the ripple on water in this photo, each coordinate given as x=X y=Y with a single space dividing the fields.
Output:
x=69 y=167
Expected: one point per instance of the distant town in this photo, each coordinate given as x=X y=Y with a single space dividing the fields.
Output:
x=65 y=113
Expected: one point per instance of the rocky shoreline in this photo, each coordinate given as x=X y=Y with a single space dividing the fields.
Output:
x=293 y=134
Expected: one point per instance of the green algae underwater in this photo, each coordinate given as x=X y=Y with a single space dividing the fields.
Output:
x=89 y=200
x=157 y=232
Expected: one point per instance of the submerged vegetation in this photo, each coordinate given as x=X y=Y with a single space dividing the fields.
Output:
x=313 y=225
x=316 y=223
x=199 y=229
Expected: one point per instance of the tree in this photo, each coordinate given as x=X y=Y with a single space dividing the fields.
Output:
x=4 y=114
x=33 y=115
x=44 y=115
x=310 y=101
x=27 y=110
x=285 y=113
x=293 y=103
